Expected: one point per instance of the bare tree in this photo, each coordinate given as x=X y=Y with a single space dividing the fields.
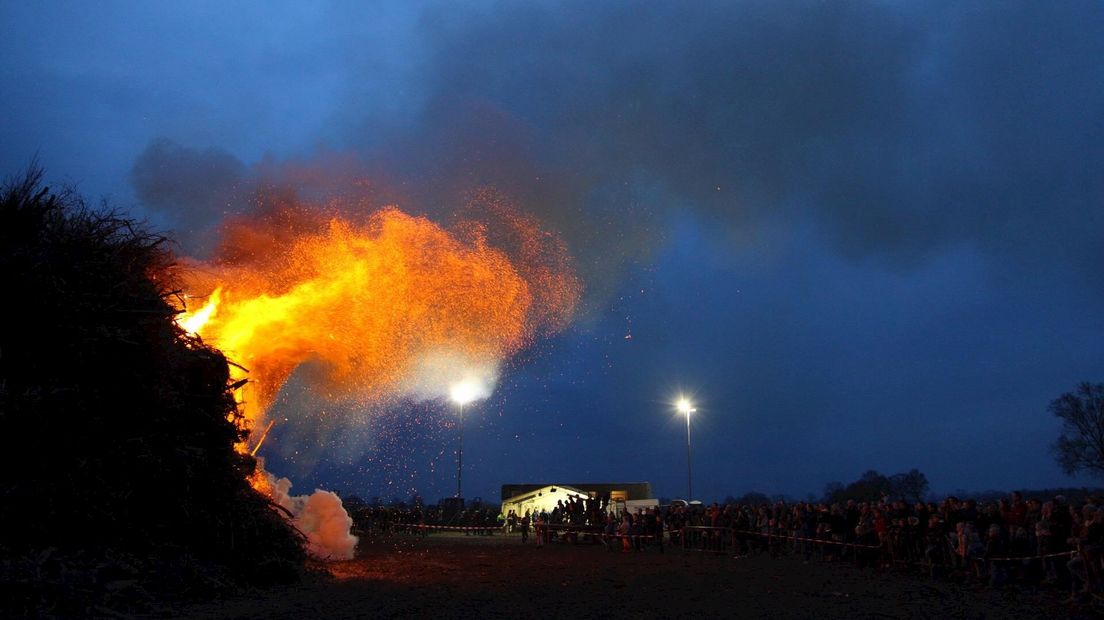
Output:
x=1080 y=447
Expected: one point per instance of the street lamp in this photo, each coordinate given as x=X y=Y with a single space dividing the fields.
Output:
x=686 y=407
x=461 y=393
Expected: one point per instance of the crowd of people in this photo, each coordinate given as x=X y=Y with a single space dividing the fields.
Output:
x=379 y=519
x=577 y=510
x=597 y=518
x=1014 y=540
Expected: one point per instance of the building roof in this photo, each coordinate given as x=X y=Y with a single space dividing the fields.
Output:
x=632 y=490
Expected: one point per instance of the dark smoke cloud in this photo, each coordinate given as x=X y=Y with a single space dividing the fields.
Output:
x=194 y=188
x=895 y=129
x=899 y=129
x=201 y=190
x=881 y=214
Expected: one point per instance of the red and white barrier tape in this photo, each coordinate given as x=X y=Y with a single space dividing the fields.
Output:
x=788 y=537
x=568 y=529
x=703 y=528
x=456 y=528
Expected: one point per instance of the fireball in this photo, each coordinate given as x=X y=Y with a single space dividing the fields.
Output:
x=366 y=304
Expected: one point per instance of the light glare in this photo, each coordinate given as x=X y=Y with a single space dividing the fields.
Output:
x=685 y=406
x=463 y=392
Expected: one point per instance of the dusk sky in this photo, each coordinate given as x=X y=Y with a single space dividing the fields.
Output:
x=859 y=235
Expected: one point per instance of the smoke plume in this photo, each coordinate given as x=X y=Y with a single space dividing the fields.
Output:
x=321 y=517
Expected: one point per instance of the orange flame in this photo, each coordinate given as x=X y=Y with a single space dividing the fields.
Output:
x=365 y=302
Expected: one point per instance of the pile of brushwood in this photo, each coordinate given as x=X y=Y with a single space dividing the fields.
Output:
x=120 y=488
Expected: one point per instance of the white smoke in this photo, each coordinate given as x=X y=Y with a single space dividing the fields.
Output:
x=321 y=517
x=438 y=373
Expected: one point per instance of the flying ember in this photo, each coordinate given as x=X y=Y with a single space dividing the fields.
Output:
x=368 y=305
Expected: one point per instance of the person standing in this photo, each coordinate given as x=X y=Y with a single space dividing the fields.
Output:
x=657 y=520
x=540 y=529
x=624 y=531
x=609 y=534
x=525 y=527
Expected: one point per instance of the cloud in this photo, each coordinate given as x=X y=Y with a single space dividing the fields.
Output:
x=194 y=188
x=898 y=130
x=895 y=131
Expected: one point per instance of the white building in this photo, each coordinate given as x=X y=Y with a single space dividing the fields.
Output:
x=542 y=499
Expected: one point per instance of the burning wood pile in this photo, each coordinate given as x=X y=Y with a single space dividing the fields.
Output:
x=121 y=481
x=128 y=462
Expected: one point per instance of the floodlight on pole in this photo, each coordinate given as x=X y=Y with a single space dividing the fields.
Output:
x=686 y=407
x=462 y=393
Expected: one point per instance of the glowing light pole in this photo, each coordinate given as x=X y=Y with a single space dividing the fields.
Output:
x=461 y=393
x=686 y=407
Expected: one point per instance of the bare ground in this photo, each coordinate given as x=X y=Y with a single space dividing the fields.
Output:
x=461 y=577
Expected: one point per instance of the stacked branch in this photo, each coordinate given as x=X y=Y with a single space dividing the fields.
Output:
x=117 y=429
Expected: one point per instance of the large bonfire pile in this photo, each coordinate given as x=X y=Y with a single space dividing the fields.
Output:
x=128 y=439
x=117 y=427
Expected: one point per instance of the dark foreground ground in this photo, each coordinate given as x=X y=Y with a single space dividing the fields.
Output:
x=446 y=576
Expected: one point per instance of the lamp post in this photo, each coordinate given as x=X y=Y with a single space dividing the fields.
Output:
x=461 y=394
x=686 y=407
x=460 y=455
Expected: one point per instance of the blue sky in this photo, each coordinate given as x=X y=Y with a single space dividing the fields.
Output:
x=863 y=235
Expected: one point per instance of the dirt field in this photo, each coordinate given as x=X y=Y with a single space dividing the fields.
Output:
x=445 y=576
